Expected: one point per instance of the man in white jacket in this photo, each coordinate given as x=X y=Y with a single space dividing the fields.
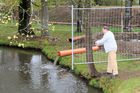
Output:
x=110 y=46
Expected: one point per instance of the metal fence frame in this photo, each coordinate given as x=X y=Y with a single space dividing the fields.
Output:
x=72 y=16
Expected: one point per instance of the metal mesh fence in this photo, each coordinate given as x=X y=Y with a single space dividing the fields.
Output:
x=118 y=21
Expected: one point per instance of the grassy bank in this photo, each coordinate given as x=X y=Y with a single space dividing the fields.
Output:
x=129 y=71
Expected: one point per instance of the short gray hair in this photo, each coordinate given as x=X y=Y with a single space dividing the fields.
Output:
x=106 y=27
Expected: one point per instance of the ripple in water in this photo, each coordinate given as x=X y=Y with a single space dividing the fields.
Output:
x=31 y=74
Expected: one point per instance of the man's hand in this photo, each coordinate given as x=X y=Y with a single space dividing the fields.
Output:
x=96 y=44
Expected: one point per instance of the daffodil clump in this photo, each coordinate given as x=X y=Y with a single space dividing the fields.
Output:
x=21 y=45
x=5 y=18
x=51 y=27
x=13 y=40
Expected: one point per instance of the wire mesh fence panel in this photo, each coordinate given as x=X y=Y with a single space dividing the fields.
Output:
x=124 y=22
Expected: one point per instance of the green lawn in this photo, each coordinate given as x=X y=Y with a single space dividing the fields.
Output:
x=129 y=76
x=130 y=86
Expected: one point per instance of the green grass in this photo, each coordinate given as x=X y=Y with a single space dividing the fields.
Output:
x=100 y=56
x=7 y=29
x=63 y=28
x=50 y=48
x=130 y=86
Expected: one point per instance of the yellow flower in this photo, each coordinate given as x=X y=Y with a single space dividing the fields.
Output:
x=22 y=45
x=16 y=24
x=15 y=37
x=11 y=43
x=9 y=37
x=33 y=28
x=30 y=23
x=3 y=22
x=49 y=24
x=22 y=34
x=31 y=36
x=27 y=36
x=19 y=45
x=9 y=18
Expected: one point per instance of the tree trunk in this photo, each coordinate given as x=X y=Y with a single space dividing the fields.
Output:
x=24 y=17
x=89 y=56
x=98 y=2
x=128 y=16
x=44 y=18
x=79 y=17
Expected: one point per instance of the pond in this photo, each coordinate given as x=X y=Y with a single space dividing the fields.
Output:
x=28 y=71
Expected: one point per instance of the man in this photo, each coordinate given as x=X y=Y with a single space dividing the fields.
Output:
x=110 y=46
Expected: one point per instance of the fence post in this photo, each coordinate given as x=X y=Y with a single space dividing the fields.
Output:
x=72 y=33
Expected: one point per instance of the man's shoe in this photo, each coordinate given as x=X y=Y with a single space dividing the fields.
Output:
x=107 y=73
x=113 y=76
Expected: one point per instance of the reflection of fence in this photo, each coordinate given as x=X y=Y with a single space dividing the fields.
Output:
x=114 y=17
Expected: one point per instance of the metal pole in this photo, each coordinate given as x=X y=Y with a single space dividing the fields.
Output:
x=106 y=8
x=122 y=21
x=72 y=34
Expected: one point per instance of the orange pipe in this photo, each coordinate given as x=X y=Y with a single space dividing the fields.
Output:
x=76 y=38
x=75 y=51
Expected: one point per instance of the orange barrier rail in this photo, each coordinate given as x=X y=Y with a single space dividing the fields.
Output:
x=75 y=51
x=76 y=38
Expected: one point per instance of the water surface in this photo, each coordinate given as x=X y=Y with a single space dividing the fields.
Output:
x=24 y=71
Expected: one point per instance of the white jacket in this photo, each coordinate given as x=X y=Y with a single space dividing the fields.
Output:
x=108 y=41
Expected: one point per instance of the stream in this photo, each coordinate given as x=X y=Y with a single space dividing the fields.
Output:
x=28 y=71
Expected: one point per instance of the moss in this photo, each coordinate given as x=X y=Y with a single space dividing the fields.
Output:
x=94 y=83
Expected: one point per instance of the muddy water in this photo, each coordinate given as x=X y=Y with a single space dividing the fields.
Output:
x=23 y=71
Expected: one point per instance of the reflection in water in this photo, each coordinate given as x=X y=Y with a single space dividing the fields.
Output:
x=24 y=72
x=0 y=59
x=35 y=72
x=64 y=82
x=0 y=56
x=23 y=67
